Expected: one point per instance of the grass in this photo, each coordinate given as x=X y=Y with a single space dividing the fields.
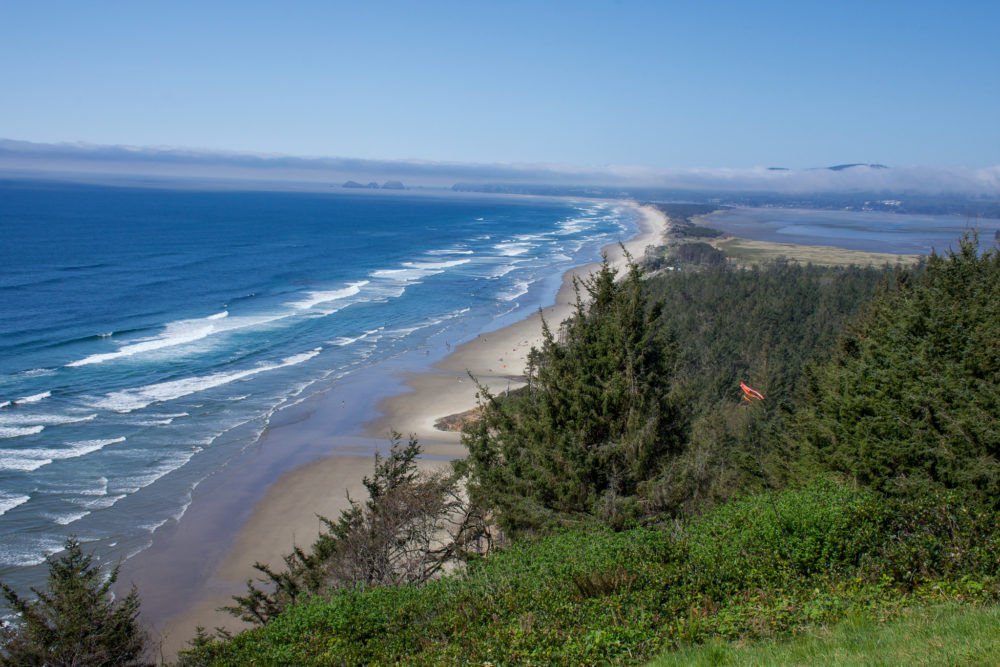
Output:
x=747 y=252
x=936 y=635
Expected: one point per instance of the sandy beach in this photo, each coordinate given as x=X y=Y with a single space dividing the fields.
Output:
x=287 y=513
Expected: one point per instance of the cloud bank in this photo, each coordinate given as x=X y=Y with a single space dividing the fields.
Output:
x=24 y=157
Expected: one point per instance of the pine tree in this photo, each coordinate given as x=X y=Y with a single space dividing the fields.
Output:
x=410 y=528
x=595 y=420
x=76 y=621
x=911 y=402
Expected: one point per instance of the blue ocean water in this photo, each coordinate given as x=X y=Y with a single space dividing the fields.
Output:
x=147 y=336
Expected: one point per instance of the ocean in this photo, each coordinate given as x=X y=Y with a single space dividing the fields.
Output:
x=149 y=336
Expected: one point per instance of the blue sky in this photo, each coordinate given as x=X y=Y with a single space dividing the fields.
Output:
x=664 y=85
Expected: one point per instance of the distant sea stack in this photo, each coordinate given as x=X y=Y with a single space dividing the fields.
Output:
x=389 y=185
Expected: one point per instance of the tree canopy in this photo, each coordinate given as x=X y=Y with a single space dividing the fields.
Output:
x=76 y=621
x=596 y=418
x=911 y=399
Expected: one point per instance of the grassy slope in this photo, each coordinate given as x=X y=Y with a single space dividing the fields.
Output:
x=762 y=567
x=932 y=635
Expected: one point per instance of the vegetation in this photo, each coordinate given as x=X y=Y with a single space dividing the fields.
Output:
x=761 y=326
x=644 y=507
x=76 y=621
x=747 y=253
x=749 y=569
x=411 y=527
x=923 y=636
x=910 y=403
x=596 y=416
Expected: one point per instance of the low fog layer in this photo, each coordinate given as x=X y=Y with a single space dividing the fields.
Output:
x=59 y=160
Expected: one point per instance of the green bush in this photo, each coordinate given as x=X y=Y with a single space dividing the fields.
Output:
x=756 y=567
x=771 y=539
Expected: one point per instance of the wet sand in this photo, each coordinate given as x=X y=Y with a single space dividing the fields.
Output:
x=209 y=569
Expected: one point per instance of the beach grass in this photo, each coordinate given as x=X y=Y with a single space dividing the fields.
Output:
x=748 y=252
x=949 y=634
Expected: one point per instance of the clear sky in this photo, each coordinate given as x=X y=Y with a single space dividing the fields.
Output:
x=659 y=84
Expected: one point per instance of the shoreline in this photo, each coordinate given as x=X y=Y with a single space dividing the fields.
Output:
x=498 y=358
x=286 y=515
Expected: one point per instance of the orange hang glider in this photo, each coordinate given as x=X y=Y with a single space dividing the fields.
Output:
x=750 y=394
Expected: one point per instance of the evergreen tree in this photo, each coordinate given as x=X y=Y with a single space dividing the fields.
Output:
x=595 y=420
x=411 y=526
x=76 y=622
x=911 y=401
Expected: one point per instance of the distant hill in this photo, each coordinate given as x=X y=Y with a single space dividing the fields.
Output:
x=841 y=167
x=388 y=185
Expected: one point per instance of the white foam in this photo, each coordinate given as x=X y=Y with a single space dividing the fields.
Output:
x=164 y=420
x=101 y=502
x=533 y=237
x=402 y=274
x=8 y=503
x=451 y=252
x=431 y=266
x=316 y=298
x=101 y=490
x=345 y=340
x=32 y=459
x=394 y=290
x=38 y=371
x=133 y=484
x=513 y=249
x=181 y=332
x=48 y=420
x=519 y=290
x=501 y=271
x=153 y=525
x=18 y=431
x=180 y=336
x=32 y=554
x=406 y=331
x=4 y=404
x=135 y=399
x=76 y=486
x=414 y=271
x=155 y=422
x=87 y=446
x=70 y=518
x=33 y=399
